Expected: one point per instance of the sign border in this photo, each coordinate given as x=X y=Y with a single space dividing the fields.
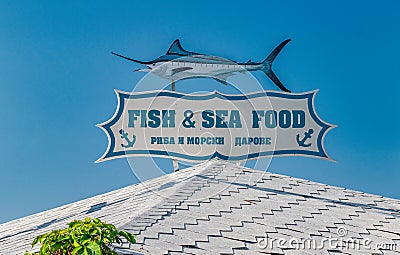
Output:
x=121 y=96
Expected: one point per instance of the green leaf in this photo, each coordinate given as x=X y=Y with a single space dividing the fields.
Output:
x=76 y=244
x=57 y=246
x=76 y=250
x=128 y=236
x=94 y=248
x=35 y=241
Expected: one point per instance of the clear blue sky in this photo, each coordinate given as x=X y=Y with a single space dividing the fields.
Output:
x=57 y=78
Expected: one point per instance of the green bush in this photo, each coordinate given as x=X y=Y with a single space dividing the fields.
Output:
x=88 y=237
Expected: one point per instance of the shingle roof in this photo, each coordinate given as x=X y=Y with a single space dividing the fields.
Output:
x=219 y=207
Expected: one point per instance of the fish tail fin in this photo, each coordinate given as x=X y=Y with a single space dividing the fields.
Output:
x=268 y=65
x=271 y=57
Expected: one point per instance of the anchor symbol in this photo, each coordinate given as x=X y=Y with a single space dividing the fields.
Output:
x=125 y=136
x=307 y=135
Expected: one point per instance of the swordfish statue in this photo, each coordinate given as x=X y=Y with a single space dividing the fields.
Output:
x=179 y=64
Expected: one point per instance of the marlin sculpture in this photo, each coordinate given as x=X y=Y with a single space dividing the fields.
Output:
x=178 y=64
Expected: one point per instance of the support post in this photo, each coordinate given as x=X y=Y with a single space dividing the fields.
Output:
x=174 y=161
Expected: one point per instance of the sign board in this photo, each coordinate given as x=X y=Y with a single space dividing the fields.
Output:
x=196 y=127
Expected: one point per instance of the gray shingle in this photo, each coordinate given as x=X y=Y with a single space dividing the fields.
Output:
x=219 y=207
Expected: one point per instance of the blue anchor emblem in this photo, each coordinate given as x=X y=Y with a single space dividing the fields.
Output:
x=125 y=136
x=307 y=135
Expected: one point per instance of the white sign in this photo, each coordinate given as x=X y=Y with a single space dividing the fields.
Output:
x=202 y=126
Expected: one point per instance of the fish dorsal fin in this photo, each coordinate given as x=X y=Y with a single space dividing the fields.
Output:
x=176 y=49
